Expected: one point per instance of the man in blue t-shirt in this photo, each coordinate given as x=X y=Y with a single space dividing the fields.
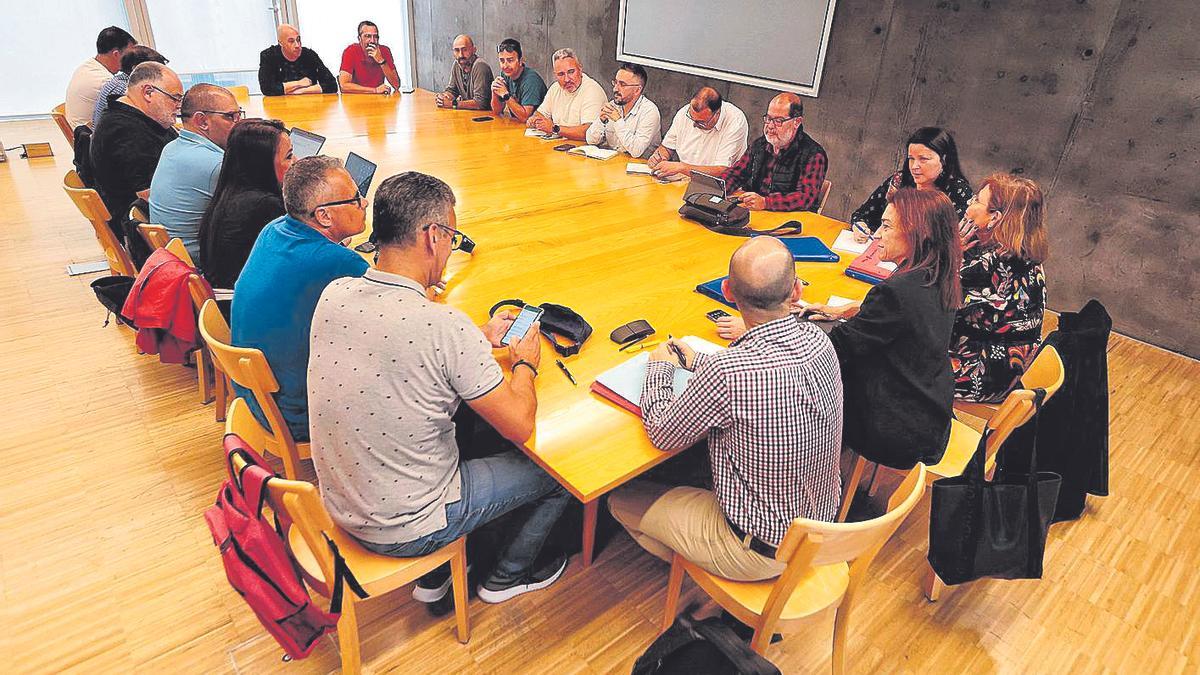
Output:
x=294 y=259
x=519 y=90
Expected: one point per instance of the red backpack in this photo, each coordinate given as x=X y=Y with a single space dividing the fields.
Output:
x=258 y=563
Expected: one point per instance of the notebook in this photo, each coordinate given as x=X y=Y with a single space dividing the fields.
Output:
x=305 y=143
x=845 y=242
x=809 y=249
x=593 y=152
x=635 y=167
x=712 y=289
x=361 y=170
x=869 y=267
x=622 y=384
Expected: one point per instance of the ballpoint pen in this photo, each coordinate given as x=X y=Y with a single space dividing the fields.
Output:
x=862 y=229
x=630 y=344
x=676 y=351
x=563 y=367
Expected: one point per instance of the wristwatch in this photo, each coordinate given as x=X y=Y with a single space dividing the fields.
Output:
x=504 y=98
x=557 y=129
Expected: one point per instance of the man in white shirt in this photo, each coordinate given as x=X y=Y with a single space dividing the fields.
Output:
x=572 y=103
x=630 y=122
x=93 y=73
x=707 y=135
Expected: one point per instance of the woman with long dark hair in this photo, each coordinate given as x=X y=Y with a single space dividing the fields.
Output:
x=895 y=375
x=249 y=195
x=931 y=163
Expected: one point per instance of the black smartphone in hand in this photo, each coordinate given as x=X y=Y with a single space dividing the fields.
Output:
x=716 y=315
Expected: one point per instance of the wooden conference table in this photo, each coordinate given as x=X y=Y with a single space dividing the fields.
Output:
x=553 y=227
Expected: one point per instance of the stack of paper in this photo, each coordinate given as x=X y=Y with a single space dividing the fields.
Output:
x=623 y=384
x=845 y=242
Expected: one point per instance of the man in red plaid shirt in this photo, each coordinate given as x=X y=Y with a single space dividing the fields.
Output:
x=784 y=168
x=770 y=407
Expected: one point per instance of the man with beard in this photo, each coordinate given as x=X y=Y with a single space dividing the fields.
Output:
x=468 y=88
x=629 y=122
x=290 y=68
x=783 y=170
x=367 y=66
x=519 y=89
x=572 y=103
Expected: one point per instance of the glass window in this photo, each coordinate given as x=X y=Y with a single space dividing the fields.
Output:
x=215 y=36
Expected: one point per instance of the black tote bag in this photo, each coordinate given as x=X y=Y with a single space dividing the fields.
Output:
x=994 y=529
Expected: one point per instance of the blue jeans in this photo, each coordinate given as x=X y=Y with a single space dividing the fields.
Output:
x=491 y=487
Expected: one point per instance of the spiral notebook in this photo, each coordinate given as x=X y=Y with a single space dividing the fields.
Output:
x=623 y=383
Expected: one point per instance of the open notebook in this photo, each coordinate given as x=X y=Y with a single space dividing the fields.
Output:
x=623 y=384
x=593 y=152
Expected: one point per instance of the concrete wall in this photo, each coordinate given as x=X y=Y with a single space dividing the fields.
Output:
x=1094 y=99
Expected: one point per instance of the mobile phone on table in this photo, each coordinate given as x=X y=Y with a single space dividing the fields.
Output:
x=482 y=118
x=526 y=318
x=716 y=315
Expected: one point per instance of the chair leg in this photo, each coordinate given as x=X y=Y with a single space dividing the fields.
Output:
x=458 y=575
x=860 y=465
x=590 y=511
x=674 y=588
x=840 y=619
x=221 y=386
x=762 y=637
x=873 y=486
x=205 y=375
x=347 y=630
x=932 y=584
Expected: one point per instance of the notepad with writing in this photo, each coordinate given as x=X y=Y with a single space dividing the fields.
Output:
x=845 y=242
x=623 y=384
x=593 y=151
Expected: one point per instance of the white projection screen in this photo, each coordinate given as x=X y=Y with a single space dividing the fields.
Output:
x=776 y=44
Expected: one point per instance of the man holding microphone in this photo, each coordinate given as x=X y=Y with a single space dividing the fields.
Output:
x=367 y=66
x=630 y=122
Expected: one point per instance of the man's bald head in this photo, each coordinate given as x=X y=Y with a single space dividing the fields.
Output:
x=463 y=40
x=464 y=51
x=795 y=104
x=285 y=31
x=762 y=274
x=289 y=41
x=204 y=96
x=706 y=99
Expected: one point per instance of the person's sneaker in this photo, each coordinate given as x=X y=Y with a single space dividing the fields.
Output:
x=493 y=592
x=433 y=586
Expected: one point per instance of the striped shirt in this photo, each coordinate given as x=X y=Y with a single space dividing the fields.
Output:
x=771 y=407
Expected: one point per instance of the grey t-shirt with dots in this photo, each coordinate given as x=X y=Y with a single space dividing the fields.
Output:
x=387 y=370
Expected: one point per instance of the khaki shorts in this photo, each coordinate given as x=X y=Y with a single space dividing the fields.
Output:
x=688 y=520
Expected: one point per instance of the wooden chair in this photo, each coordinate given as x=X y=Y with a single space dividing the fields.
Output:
x=154 y=235
x=176 y=246
x=59 y=114
x=978 y=414
x=241 y=92
x=1046 y=372
x=827 y=564
x=823 y=196
x=214 y=383
x=249 y=368
x=378 y=574
x=92 y=207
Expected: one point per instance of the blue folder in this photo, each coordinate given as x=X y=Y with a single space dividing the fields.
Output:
x=712 y=289
x=809 y=249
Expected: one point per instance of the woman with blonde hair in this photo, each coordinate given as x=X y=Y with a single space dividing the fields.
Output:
x=999 y=325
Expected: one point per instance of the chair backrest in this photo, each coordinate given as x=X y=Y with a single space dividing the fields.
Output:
x=249 y=368
x=92 y=207
x=155 y=235
x=137 y=215
x=299 y=500
x=201 y=293
x=176 y=246
x=823 y=195
x=241 y=92
x=1046 y=372
x=59 y=114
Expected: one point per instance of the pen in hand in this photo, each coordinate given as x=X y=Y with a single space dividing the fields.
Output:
x=676 y=351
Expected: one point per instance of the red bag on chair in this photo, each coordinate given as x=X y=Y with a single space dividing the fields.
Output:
x=258 y=563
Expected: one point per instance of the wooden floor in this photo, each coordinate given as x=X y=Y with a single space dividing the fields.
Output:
x=106 y=564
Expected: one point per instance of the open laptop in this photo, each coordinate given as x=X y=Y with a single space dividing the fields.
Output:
x=704 y=184
x=361 y=170
x=305 y=143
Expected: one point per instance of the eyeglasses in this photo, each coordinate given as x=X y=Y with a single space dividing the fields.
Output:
x=704 y=126
x=232 y=115
x=625 y=85
x=177 y=98
x=776 y=121
x=357 y=200
x=459 y=241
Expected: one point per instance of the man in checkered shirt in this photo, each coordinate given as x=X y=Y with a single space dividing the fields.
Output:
x=784 y=169
x=771 y=408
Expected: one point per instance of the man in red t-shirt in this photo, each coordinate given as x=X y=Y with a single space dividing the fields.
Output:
x=367 y=64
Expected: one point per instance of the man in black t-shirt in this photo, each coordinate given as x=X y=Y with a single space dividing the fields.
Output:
x=129 y=139
x=289 y=68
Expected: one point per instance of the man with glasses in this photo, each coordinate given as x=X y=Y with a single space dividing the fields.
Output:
x=629 y=122
x=707 y=135
x=519 y=89
x=294 y=259
x=389 y=369
x=367 y=66
x=784 y=169
x=116 y=86
x=573 y=101
x=290 y=68
x=470 y=79
x=128 y=141
x=186 y=177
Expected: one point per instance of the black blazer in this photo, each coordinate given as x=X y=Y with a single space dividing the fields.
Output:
x=228 y=235
x=896 y=372
x=271 y=67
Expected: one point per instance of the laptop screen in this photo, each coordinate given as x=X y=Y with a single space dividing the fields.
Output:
x=305 y=143
x=361 y=170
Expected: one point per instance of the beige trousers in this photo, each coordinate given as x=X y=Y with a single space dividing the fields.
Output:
x=687 y=520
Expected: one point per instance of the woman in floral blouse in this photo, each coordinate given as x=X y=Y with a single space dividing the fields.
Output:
x=932 y=164
x=1000 y=323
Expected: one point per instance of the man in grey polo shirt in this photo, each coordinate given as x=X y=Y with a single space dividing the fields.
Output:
x=387 y=371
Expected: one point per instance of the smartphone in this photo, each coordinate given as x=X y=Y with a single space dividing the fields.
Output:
x=529 y=314
x=564 y=147
x=482 y=118
x=716 y=315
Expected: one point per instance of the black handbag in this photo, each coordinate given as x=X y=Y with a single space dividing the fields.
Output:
x=557 y=320
x=708 y=647
x=994 y=529
x=112 y=291
x=724 y=216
